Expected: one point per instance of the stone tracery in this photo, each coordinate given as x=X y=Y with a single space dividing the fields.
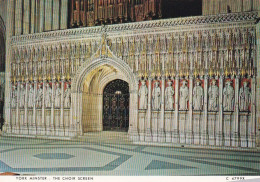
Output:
x=182 y=55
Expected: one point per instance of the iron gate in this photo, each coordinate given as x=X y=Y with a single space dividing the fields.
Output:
x=116 y=106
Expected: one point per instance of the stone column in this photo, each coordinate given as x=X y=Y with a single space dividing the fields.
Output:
x=64 y=14
x=252 y=123
x=62 y=106
x=18 y=17
x=189 y=122
x=235 y=130
x=25 y=123
x=219 y=131
x=42 y=128
x=148 y=134
x=34 y=125
x=17 y=123
x=133 y=114
x=257 y=84
x=51 y=126
x=205 y=136
x=175 y=133
x=56 y=14
x=161 y=132
x=8 y=85
x=26 y=16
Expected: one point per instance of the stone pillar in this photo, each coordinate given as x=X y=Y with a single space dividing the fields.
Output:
x=26 y=16
x=34 y=125
x=8 y=85
x=18 y=17
x=48 y=15
x=33 y=13
x=25 y=123
x=133 y=114
x=175 y=133
x=51 y=126
x=64 y=14
x=62 y=106
x=253 y=122
x=42 y=128
x=257 y=83
x=205 y=135
x=219 y=131
x=17 y=120
x=235 y=128
x=189 y=122
x=56 y=15
x=161 y=132
x=148 y=134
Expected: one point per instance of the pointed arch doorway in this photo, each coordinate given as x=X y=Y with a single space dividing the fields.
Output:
x=116 y=106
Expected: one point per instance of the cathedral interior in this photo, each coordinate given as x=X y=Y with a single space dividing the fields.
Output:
x=164 y=71
x=130 y=87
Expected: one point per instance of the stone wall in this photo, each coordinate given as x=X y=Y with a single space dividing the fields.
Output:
x=196 y=79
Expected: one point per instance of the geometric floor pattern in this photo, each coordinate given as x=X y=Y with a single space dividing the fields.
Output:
x=101 y=155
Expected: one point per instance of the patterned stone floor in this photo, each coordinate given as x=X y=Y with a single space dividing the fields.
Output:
x=109 y=153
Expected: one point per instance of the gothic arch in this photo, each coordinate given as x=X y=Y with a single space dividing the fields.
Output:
x=117 y=69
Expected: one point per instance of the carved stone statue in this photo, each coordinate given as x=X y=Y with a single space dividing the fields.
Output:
x=156 y=97
x=228 y=100
x=39 y=96
x=244 y=97
x=213 y=96
x=143 y=92
x=184 y=96
x=14 y=97
x=48 y=94
x=169 y=93
x=30 y=96
x=57 y=101
x=22 y=96
x=198 y=97
x=67 y=97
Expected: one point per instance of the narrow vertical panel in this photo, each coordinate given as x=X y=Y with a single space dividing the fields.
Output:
x=247 y=5
x=256 y=5
x=56 y=15
x=32 y=23
x=64 y=14
x=26 y=16
x=18 y=17
x=48 y=15
x=41 y=15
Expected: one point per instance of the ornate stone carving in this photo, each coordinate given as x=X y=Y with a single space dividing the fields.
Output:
x=57 y=98
x=22 y=96
x=39 y=97
x=30 y=96
x=14 y=96
x=228 y=100
x=184 y=96
x=156 y=97
x=143 y=93
x=47 y=96
x=67 y=97
x=244 y=97
x=169 y=97
x=213 y=96
x=198 y=97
